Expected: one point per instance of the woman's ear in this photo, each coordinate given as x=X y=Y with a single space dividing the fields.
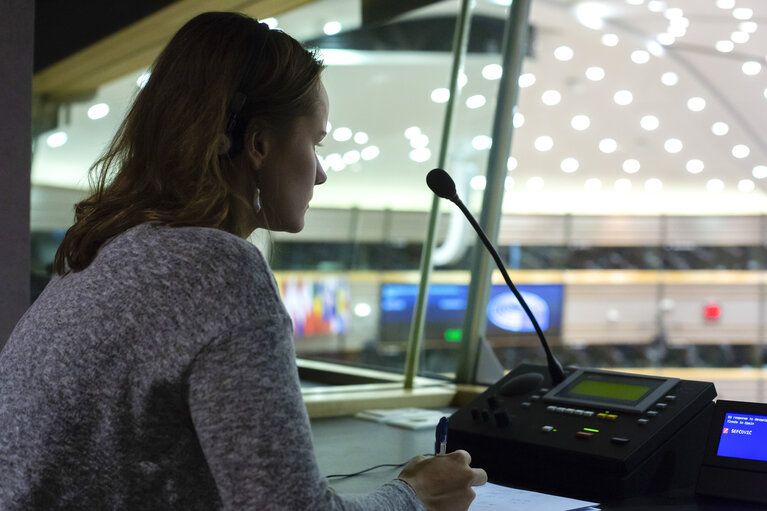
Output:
x=257 y=144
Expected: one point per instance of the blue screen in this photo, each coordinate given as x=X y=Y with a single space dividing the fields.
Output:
x=744 y=435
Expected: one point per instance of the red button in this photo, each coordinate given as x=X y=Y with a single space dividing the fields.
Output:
x=584 y=434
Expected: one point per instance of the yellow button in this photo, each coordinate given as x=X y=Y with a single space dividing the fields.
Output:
x=612 y=417
x=601 y=416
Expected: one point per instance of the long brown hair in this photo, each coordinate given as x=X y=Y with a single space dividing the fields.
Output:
x=165 y=164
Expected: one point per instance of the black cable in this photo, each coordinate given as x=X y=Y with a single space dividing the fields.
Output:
x=373 y=468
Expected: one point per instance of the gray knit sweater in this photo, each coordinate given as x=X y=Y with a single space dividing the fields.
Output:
x=162 y=376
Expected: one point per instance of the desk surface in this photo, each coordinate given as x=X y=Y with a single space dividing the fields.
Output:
x=346 y=445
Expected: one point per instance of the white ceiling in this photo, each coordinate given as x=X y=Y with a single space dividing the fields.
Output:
x=384 y=93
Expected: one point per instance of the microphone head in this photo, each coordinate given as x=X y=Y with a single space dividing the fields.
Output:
x=441 y=184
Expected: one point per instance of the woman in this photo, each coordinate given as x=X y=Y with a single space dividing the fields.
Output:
x=156 y=370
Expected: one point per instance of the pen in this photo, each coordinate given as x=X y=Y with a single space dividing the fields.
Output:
x=440 y=444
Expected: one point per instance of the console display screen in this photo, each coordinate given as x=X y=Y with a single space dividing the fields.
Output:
x=744 y=436
x=607 y=389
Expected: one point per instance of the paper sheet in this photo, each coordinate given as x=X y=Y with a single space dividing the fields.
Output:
x=492 y=497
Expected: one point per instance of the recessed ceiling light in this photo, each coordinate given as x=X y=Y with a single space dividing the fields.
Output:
x=569 y=165
x=640 y=57
x=655 y=48
x=463 y=79
x=746 y=185
x=420 y=140
x=342 y=134
x=696 y=104
x=580 y=122
x=610 y=39
x=759 y=172
x=518 y=120
x=591 y=14
x=673 y=12
x=56 y=139
x=622 y=185
x=593 y=185
x=747 y=26
x=351 y=157
x=420 y=155
x=608 y=145
x=476 y=101
x=551 y=97
x=694 y=166
x=332 y=27
x=98 y=111
x=715 y=185
x=526 y=80
x=740 y=151
x=412 y=131
x=595 y=73
x=635 y=2
x=724 y=46
x=361 y=137
x=720 y=128
x=543 y=143
x=649 y=122
x=563 y=53
x=534 y=183
x=623 y=97
x=440 y=95
x=725 y=4
x=481 y=142
x=751 y=68
x=673 y=145
x=508 y=183
x=370 y=152
x=478 y=182
x=511 y=163
x=665 y=39
x=656 y=5
x=739 y=37
x=742 y=13
x=272 y=23
x=631 y=166
x=653 y=185
x=335 y=161
x=492 y=72
x=669 y=78
x=362 y=310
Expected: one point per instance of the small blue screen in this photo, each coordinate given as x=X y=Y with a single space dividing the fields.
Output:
x=744 y=435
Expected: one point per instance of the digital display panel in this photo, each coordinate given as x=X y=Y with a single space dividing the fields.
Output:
x=611 y=390
x=744 y=436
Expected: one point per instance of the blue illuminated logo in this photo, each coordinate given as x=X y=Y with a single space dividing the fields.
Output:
x=504 y=311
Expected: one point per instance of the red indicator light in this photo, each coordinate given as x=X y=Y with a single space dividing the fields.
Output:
x=712 y=311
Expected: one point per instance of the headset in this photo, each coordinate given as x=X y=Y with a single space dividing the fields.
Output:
x=237 y=123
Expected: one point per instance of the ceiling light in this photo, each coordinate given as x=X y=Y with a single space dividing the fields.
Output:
x=98 y=111
x=720 y=128
x=673 y=12
x=593 y=185
x=673 y=145
x=740 y=151
x=342 y=134
x=551 y=97
x=635 y=2
x=420 y=140
x=696 y=104
x=669 y=78
x=141 y=80
x=563 y=53
x=591 y=14
x=656 y=6
x=623 y=185
x=640 y=57
x=725 y=4
x=631 y=166
x=623 y=97
x=764 y=93
x=420 y=155
x=610 y=39
x=335 y=161
x=361 y=137
x=608 y=145
x=328 y=127
x=476 y=101
x=370 y=152
x=332 y=28
x=492 y=72
x=580 y=122
x=481 y=142
x=759 y=172
x=739 y=37
x=463 y=79
x=569 y=165
x=742 y=13
x=724 y=46
x=715 y=185
x=595 y=73
x=543 y=143
x=751 y=68
x=526 y=80
x=440 y=95
x=511 y=163
x=57 y=139
x=665 y=39
x=478 y=183
x=362 y=310
x=508 y=183
x=655 y=48
x=694 y=166
x=351 y=157
x=412 y=131
x=518 y=120
x=535 y=183
x=747 y=26
x=272 y=23
x=746 y=185
x=653 y=185
x=649 y=122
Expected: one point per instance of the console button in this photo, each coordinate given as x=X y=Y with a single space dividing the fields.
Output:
x=620 y=440
x=642 y=421
x=547 y=429
x=585 y=435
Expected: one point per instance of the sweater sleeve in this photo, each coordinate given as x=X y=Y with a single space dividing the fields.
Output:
x=246 y=406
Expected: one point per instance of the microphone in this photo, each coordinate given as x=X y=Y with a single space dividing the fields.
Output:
x=443 y=186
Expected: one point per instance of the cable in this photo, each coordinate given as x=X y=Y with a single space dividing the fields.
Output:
x=373 y=468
